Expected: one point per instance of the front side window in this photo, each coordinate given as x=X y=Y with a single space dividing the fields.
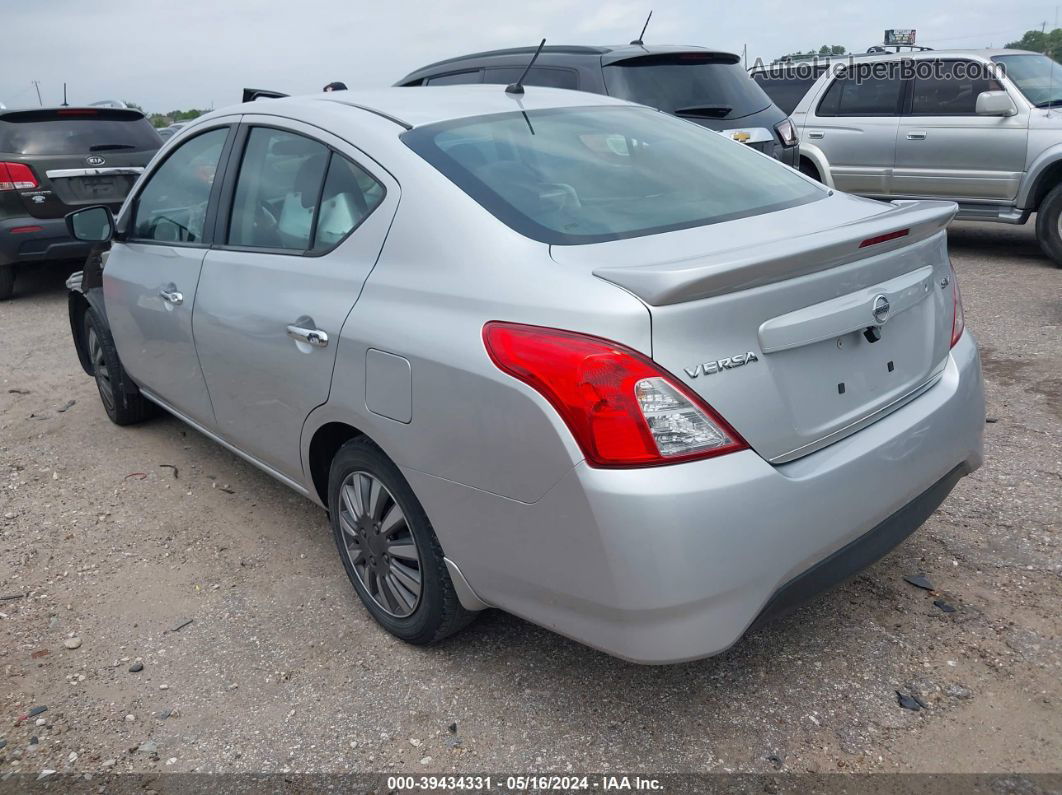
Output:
x=862 y=94
x=950 y=89
x=277 y=191
x=172 y=207
x=586 y=175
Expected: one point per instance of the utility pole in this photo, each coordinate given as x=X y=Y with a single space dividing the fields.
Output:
x=37 y=85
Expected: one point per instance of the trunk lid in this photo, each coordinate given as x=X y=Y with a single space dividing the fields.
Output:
x=767 y=317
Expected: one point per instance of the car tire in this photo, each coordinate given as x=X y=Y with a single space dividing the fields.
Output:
x=1048 y=231
x=384 y=555
x=120 y=397
x=7 y=281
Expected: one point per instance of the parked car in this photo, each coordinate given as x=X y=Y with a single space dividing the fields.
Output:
x=54 y=160
x=171 y=129
x=554 y=353
x=708 y=87
x=976 y=127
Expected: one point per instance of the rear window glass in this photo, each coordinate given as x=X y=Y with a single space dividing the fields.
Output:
x=587 y=175
x=687 y=84
x=35 y=134
x=862 y=93
x=785 y=91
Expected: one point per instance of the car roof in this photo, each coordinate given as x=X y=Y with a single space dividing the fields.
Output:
x=605 y=55
x=871 y=57
x=417 y=106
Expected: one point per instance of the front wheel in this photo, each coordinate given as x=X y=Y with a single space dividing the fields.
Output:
x=120 y=397
x=1049 y=225
x=389 y=549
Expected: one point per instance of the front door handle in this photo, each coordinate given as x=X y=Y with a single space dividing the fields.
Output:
x=302 y=330
x=816 y=135
x=171 y=294
x=916 y=135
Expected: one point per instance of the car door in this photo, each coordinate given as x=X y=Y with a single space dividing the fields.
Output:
x=153 y=271
x=854 y=125
x=944 y=150
x=299 y=229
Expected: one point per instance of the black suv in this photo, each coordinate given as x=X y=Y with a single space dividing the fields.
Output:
x=55 y=160
x=705 y=86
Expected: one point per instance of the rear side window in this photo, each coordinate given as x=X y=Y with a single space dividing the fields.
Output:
x=172 y=206
x=705 y=85
x=587 y=175
x=350 y=194
x=294 y=193
x=277 y=190
x=455 y=79
x=950 y=89
x=537 y=76
x=785 y=91
x=75 y=131
x=862 y=94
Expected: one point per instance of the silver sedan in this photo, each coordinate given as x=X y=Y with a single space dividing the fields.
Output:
x=547 y=352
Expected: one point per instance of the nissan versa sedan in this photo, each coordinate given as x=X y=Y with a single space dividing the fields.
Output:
x=549 y=352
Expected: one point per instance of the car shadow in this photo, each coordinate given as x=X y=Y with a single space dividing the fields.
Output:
x=43 y=278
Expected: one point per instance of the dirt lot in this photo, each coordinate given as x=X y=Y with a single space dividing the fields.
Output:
x=281 y=669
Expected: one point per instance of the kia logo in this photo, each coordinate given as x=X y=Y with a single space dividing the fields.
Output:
x=95 y=160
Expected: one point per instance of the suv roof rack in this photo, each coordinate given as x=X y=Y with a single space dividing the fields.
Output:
x=879 y=49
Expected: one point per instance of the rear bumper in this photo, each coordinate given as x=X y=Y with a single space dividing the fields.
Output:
x=675 y=563
x=50 y=241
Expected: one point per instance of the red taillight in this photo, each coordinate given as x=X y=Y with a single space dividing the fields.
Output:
x=17 y=176
x=622 y=409
x=25 y=230
x=77 y=112
x=873 y=241
x=958 y=318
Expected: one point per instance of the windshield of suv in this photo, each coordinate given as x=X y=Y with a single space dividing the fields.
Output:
x=75 y=131
x=709 y=85
x=1037 y=77
x=587 y=175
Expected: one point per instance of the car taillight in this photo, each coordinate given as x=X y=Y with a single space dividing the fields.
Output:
x=622 y=409
x=786 y=132
x=958 y=319
x=16 y=176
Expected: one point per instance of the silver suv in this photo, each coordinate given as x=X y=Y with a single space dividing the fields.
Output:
x=548 y=351
x=977 y=127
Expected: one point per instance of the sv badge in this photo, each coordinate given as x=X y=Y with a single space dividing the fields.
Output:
x=729 y=363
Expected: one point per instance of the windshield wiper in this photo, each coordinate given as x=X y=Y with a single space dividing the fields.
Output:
x=1049 y=103
x=706 y=111
x=110 y=147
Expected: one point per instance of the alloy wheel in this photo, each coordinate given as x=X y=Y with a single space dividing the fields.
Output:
x=99 y=367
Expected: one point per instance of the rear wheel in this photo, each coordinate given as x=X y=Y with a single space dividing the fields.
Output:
x=7 y=281
x=388 y=547
x=120 y=397
x=1049 y=225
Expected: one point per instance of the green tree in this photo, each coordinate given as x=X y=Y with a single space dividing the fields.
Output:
x=823 y=51
x=1049 y=42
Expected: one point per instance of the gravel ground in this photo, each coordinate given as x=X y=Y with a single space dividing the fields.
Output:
x=281 y=669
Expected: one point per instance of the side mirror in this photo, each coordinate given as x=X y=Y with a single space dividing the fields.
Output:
x=995 y=103
x=91 y=225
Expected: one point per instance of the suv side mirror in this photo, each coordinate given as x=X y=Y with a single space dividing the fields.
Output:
x=995 y=103
x=91 y=225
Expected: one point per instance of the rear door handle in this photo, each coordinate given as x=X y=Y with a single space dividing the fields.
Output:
x=303 y=331
x=171 y=294
x=916 y=135
x=816 y=134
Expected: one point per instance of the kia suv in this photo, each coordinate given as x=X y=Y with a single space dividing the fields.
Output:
x=55 y=160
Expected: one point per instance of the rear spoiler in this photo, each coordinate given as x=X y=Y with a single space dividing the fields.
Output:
x=252 y=94
x=904 y=223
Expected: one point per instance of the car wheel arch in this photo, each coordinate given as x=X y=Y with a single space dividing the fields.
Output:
x=324 y=443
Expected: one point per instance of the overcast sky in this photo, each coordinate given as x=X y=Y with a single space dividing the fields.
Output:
x=198 y=53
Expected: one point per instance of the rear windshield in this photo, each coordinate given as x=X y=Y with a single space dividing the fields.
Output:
x=703 y=85
x=586 y=175
x=785 y=90
x=75 y=132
